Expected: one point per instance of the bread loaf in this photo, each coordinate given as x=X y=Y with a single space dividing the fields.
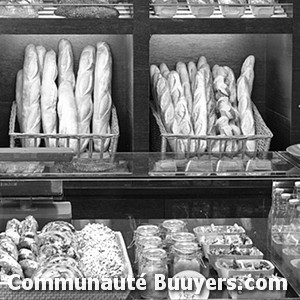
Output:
x=65 y=63
x=154 y=76
x=102 y=94
x=41 y=52
x=49 y=97
x=220 y=87
x=199 y=114
x=31 y=110
x=166 y=106
x=67 y=114
x=19 y=92
x=201 y=61
x=248 y=71
x=83 y=92
x=182 y=116
x=185 y=82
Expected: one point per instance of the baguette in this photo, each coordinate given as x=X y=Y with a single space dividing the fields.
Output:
x=192 y=69
x=167 y=110
x=246 y=112
x=220 y=87
x=231 y=83
x=41 y=52
x=102 y=94
x=185 y=82
x=65 y=63
x=199 y=114
x=248 y=71
x=49 y=97
x=154 y=76
x=19 y=92
x=67 y=114
x=201 y=61
x=31 y=110
x=182 y=116
x=164 y=70
x=83 y=92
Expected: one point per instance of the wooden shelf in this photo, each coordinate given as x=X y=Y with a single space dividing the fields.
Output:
x=198 y=26
x=66 y=26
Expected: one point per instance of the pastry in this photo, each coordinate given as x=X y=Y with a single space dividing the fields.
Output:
x=83 y=92
x=49 y=97
x=102 y=95
x=29 y=227
x=29 y=267
x=13 y=230
x=30 y=244
x=31 y=110
x=26 y=254
x=58 y=226
x=7 y=245
x=9 y=266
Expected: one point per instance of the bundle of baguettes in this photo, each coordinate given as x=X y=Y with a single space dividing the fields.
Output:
x=49 y=97
x=195 y=100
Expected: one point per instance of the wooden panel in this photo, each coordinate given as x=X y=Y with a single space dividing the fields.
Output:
x=279 y=74
x=280 y=127
x=188 y=26
x=11 y=60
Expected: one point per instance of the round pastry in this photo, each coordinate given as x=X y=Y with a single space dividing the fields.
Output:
x=29 y=227
x=61 y=260
x=26 y=254
x=48 y=251
x=57 y=271
x=29 y=267
x=59 y=239
x=7 y=245
x=58 y=226
x=13 y=230
x=29 y=243
x=9 y=266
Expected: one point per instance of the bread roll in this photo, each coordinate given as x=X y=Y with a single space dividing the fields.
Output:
x=65 y=63
x=83 y=92
x=199 y=114
x=167 y=110
x=31 y=110
x=102 y=94
x=67 y=113
x=182 y=116
x=185 y=82
x=19 y=92
x=49 y=97
x=41 y=52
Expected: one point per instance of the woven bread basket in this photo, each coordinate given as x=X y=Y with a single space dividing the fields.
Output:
x=163 y=141
x=16 y=137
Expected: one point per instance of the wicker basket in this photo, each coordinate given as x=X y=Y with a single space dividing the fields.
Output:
x=15 y=137
x=169 y=142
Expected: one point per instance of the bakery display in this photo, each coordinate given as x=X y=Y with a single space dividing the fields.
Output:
x=201 y=109
x=60 y=109
x=59 y=251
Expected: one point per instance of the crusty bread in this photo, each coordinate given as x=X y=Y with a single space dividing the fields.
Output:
x=83 y=92
x=67 y=114
x=244 y=88
x=220 y=86
x=166 y=106
x=201 y=61
x=164 y=70
x=182 y=116
x=31 y=110
x=102 y=94
x=185 y=82
x=192 y=69
x=199 y=115
x=65 y=62
x=49 y=96
x=231 y=83
x=19 y=92
x=41 y=52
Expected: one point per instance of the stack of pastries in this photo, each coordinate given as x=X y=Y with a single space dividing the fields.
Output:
x=58 y=251
x=196 y=100
x=50 y=99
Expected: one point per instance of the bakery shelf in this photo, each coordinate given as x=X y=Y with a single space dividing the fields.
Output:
x=190 y=26
x=65 y=26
